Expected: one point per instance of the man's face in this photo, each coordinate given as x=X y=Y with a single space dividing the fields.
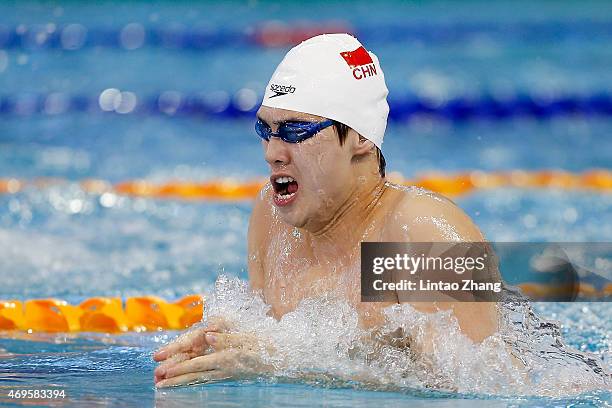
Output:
x=319 y=171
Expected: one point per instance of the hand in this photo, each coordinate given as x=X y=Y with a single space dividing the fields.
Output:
x=189 y=345
x=192 y=343
x=232 y=356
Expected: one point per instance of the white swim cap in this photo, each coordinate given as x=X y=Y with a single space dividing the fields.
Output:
x=334 y=76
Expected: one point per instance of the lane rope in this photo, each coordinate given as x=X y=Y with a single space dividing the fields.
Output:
x=244 y=103
x=151 y=313
x=597 y=180
x=133 y=36
x=101 y=314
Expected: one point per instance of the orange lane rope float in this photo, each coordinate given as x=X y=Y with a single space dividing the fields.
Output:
x=449 y=184
x=101 y=314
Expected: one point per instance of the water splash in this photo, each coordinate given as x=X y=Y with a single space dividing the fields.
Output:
x=322 y=340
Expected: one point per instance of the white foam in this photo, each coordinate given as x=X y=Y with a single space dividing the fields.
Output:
x=321 y=339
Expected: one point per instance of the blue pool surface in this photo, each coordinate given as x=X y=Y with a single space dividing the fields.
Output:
x=63 y=242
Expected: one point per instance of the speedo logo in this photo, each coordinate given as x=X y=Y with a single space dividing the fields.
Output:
x=280 y=90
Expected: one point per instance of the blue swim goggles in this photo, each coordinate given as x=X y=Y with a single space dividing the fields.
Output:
x=291 y=131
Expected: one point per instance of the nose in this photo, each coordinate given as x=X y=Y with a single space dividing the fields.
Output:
x=276 y=152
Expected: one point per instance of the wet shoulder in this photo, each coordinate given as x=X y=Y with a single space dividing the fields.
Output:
x=422 y=215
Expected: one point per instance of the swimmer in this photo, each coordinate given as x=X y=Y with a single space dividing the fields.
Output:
x=321 y=123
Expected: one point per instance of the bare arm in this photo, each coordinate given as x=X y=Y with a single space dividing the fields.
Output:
x=205 y=353
x=259 y=229
x=431 y=218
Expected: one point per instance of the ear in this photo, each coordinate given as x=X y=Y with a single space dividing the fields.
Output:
x=360 y=146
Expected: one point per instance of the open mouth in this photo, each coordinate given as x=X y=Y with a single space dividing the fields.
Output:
x=285 y=189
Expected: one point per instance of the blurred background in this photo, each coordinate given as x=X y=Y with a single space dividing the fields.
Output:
x=166 y=92
x=95 y=96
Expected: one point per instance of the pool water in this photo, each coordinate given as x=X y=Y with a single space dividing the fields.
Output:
x=61 y=241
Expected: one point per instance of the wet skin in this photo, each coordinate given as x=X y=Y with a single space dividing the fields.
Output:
x=309 y=244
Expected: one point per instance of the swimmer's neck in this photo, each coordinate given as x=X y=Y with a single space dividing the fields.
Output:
x=347 y=226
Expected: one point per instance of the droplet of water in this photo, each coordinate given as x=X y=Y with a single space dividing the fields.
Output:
x=296 y=233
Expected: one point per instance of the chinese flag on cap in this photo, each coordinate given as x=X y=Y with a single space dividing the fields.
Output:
x=357 y=58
